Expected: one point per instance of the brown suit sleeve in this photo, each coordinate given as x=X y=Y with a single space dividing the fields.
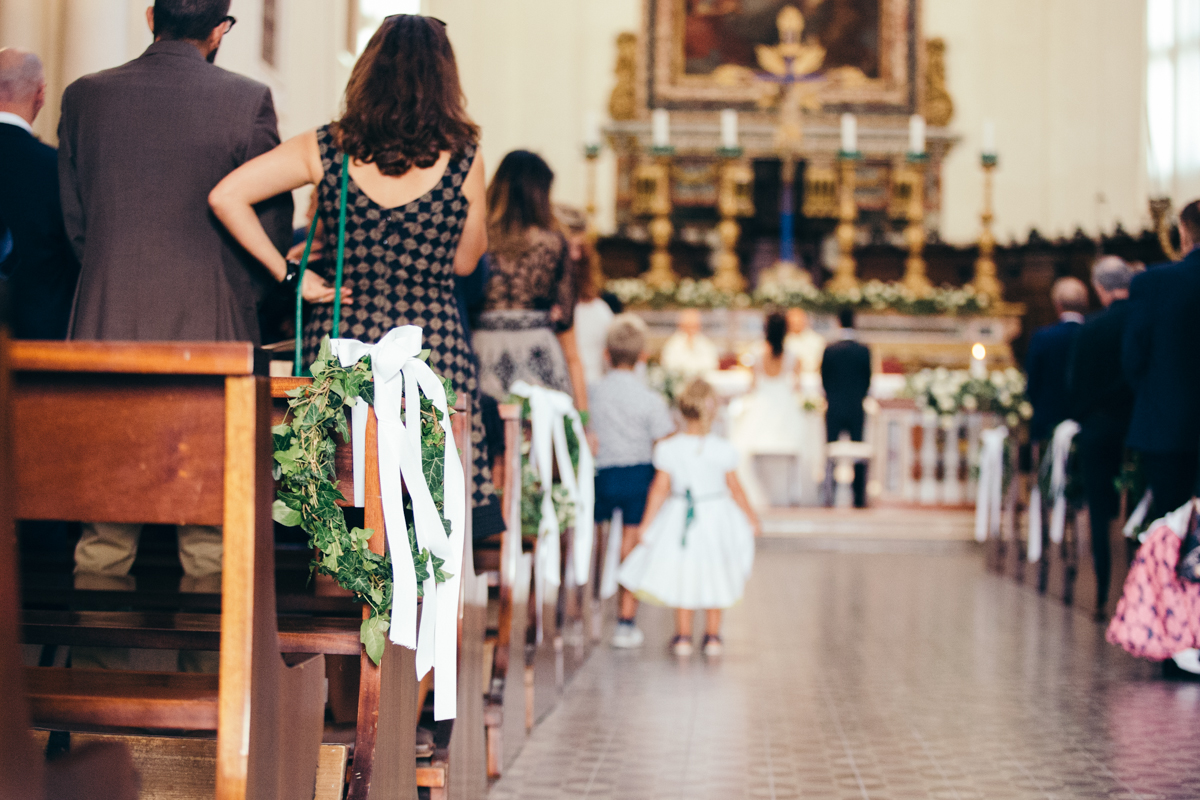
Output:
x=68 y=178
x=276 y=213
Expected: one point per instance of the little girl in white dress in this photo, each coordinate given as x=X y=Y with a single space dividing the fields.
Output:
x=696 y=543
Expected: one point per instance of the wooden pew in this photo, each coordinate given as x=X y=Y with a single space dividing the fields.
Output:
x=173 y=434
x=506 y=562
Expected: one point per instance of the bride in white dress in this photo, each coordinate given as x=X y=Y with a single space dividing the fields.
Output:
x=768 y=428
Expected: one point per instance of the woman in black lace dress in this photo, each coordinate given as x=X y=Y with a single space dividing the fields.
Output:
x=415 y=210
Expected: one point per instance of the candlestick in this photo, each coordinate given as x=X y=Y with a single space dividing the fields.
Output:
x=729 y=129
x=986 y=283
x=652 y=182
x=849 y=134
x=916 y=134
x=915 y=278
x=593 y=234
x=591 y=130
x=978 y=369
x=844 y=278
x=989 y=138
x=734 y=200
x=661 y=125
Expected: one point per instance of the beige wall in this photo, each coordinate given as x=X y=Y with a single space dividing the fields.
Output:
x=1063 y=79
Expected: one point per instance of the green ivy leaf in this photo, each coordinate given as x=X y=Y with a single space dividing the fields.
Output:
x=374 y=635
x=284 y=514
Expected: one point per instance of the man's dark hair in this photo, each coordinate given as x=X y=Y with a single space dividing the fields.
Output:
x=1190 y=218
x=192 y=20
x=846 y=317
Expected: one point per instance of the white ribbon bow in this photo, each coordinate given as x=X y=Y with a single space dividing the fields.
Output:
x=548 y=410
x=1034 y=550
x=401 y=377
x=991 y=483
x=1060 y=451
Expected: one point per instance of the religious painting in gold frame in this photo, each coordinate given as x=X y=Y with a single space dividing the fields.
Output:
x=873 y=59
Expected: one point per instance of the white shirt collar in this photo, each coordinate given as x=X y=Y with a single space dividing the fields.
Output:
x=8 y=118
x=1071 y=316
x=847 y=334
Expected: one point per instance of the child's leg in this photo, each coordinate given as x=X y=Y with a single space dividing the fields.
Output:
x=712 y=622
x=628 y=602
x=683 y=622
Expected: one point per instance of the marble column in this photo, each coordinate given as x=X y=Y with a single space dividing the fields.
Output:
x=94 y=36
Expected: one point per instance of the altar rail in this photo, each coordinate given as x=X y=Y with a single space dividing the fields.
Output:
x=923 y=460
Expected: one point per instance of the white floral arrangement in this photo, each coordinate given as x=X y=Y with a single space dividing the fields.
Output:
x=871 y=296
x=945 y=393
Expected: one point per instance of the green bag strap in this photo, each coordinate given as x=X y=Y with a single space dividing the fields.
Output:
x=298 y=363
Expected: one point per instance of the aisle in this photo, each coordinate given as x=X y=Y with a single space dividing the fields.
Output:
x=871 y=676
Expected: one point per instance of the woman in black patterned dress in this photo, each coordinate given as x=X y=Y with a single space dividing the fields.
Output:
x=415 y=210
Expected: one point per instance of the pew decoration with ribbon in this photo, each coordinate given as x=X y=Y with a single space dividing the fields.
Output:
x=992 y=482
x=547 y=507
x=1060 y=484
x=423 y=492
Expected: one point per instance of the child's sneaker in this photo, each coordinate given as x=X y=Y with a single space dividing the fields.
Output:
x=681 y=646
x=627 y=636
x=713 y=645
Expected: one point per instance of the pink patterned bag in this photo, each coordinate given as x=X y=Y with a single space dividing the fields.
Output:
x=1158 y=615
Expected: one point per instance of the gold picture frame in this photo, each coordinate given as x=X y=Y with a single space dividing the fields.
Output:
x=895 y=87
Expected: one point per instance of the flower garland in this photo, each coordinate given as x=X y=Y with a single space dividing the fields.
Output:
x=945 y=393
x=873 y=295
x=308 y=492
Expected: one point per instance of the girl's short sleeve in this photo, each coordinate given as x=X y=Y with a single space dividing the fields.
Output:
x=662 y=455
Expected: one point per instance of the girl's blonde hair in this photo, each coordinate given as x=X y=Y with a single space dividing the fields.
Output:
x=698 y=402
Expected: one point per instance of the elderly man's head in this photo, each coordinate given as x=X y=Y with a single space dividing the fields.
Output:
x=1069 y=295
x=690 y=322
x=22 y=84
x=1110 y=278
x=797 y=320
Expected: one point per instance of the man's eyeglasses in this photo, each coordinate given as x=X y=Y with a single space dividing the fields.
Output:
x=228 y=23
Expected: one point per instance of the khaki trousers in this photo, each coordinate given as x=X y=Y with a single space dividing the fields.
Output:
x=103 y=558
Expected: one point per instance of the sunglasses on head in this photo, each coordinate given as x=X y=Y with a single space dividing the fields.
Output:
x=391 y=17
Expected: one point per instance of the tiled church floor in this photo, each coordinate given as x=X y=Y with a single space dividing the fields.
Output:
x=850 y=676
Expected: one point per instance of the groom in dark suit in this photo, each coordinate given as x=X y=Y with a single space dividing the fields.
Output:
x=1161 y=357
x=40 y=268
x=846 y=376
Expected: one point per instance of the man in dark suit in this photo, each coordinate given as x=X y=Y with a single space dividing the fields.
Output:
x=141 y=147
x=1101 y=401
x=1049 y=356
x=1161 y=358
x=846 y=376
x=41 y=268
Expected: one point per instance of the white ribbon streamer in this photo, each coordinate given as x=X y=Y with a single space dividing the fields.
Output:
x=1060 y=452
x=1139 y=515
x=401 y=377
x=549 y=409
x=991 y=483
x=612 y=555
x=1034 y=550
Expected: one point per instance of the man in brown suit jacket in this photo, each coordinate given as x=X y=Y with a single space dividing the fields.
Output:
x=140 y=148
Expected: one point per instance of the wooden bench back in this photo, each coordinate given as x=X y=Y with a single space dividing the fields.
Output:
x=170 y=433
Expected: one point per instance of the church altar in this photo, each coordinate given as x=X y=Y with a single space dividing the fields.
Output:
x=900 y=344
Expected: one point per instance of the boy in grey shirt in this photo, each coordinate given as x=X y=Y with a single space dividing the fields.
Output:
x=628 y=418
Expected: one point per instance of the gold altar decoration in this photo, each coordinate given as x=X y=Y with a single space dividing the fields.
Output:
x=986 y=283
x=900 y=192
x=622 y=104
x=1160 y=212
x=844 y=278
x=735 y=200
x=939 y=106
x=592 y=153
x=915 y=278
x=652 y=198
x=820 y=192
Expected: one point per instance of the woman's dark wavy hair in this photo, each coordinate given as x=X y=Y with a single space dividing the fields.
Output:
x=404 y=102
x=519 y=197
x=775 y=329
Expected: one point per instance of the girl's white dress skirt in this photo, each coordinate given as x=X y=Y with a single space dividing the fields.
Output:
x=703 y=563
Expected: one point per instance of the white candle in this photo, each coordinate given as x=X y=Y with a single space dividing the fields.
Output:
x=729 y=129
x=849 y=133
x=989 y=137
x=916 y=134
x=661 y=123
x=591 y=129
